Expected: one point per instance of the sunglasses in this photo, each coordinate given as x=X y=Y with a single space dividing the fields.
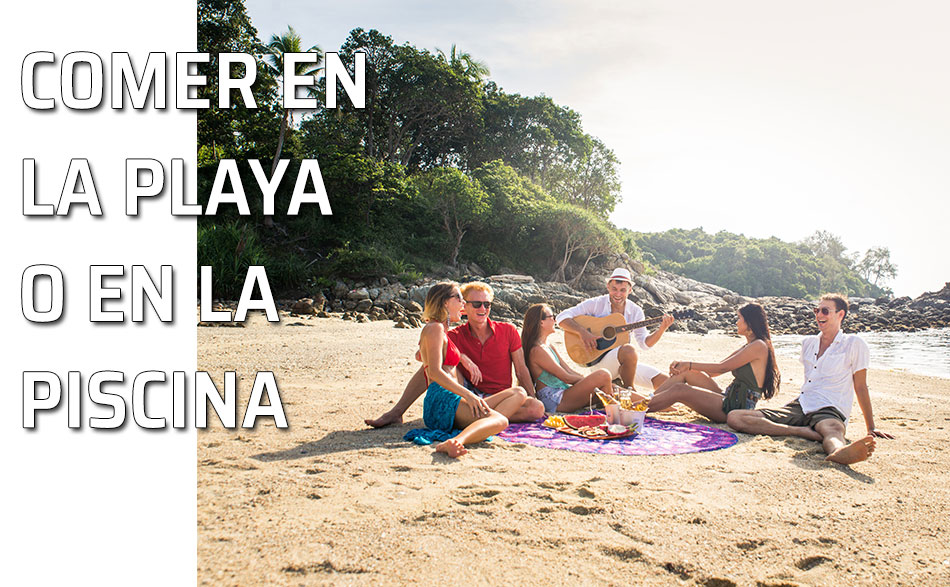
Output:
x=546 y=316
x=479 y=304
x=823 y=311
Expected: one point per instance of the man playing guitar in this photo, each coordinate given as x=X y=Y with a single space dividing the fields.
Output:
x=621 y=361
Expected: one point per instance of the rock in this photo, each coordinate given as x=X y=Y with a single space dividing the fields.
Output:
x=512 y=278
x=339 y=289
x=419 y=292
x=358 y=294
x=901 y=301
x=304 y=307
x=517 y=296
x=410 y=305
x=660 y=291
x=735 y=300
x=474 y=269
x=364 y=305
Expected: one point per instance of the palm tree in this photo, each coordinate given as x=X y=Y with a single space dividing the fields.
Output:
x=289 y=42
x=464 y=64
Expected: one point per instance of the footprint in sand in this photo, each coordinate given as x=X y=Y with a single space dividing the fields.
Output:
x=583 y=510
x=622 y=554
x=717 y=582
x=555 y=485
x=807 y=564
x=679 y=570
x=478 y=497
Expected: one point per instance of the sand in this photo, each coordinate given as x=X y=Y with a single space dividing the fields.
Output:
x=331 y=501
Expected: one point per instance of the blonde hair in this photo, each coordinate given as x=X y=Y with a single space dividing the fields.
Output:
x=478 y=286
x=435 y=301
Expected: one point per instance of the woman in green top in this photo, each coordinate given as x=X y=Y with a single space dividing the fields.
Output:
x=559 y=387
x=753 y=366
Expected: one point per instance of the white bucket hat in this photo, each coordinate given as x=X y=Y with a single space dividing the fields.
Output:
x=620 y=274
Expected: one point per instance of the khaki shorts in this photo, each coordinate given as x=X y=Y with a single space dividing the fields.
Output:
x=643 y=378
x=792 y=415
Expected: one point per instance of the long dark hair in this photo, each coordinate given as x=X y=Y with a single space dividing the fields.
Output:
x=531 y=331
x=758 y=322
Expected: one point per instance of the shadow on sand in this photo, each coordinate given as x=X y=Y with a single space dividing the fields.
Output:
x=339 y=441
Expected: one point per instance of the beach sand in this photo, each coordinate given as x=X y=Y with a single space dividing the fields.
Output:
x=331 y=501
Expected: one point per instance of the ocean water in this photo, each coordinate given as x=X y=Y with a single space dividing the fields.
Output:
x=926 y=352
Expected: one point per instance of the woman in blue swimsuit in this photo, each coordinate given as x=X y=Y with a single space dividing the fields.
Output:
x=753 y=366
x=560 y=388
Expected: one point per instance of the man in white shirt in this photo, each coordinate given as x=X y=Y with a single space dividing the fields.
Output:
x=835 y=372
x=622 y=361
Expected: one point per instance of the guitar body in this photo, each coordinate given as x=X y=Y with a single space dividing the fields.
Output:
x=607 y=337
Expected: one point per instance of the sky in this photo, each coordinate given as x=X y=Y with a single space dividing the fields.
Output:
x=759 y=118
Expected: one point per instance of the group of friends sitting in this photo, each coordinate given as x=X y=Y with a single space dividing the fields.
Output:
x=466 y=372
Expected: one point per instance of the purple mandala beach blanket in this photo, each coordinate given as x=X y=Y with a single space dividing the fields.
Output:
x=659 y=437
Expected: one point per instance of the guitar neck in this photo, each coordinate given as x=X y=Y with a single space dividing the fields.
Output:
x=640 y=324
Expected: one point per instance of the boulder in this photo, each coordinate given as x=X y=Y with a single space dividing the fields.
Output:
x=305 y=307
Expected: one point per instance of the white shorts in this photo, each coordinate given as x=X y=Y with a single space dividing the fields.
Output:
x=645 y=373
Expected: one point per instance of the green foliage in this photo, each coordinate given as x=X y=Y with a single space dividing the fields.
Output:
x=229 y=249
x=458 y=202
x=756 y=267
x=225 y=27
x=440 y=166
x=876 y=266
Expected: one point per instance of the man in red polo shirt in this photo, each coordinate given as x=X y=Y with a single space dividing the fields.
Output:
x=489 y=349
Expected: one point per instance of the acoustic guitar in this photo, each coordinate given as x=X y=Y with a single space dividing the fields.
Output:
x=611 y=332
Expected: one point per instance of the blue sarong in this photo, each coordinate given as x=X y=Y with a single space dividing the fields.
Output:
x=438 y=414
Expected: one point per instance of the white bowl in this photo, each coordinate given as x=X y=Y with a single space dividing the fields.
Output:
x=632 y=418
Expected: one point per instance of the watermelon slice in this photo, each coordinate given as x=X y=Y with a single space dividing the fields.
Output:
x=578 y=421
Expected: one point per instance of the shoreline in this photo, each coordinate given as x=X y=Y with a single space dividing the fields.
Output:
x=330 y=500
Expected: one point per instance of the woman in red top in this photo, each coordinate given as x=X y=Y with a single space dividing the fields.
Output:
x=448 y=405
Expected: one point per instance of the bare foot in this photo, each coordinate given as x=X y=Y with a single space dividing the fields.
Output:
x=808 y=433
x=451 y=447
x=855 y=452
x=384 y=420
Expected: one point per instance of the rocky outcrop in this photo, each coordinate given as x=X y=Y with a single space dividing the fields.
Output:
x=714 y=308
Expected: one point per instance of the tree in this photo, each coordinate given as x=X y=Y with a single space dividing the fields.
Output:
x=289 y=42
x=225 y=27
x=590 y=179
x=419 y=110
x=877 y=264
x=572 y=230
x=823 y=243
x=459 y=202
x=534 y=135
x=464 y=64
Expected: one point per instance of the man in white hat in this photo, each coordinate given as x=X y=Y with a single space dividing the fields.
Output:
x=623 y=361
